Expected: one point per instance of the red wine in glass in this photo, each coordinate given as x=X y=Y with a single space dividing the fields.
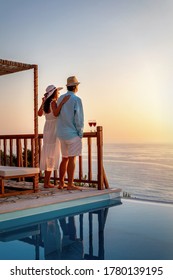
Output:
x=94 y=124
x=90 y=124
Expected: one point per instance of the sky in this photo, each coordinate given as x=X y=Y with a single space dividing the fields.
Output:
x=120 y=50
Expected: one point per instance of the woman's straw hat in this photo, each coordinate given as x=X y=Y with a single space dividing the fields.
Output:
x=72 y=81
x=50 y=90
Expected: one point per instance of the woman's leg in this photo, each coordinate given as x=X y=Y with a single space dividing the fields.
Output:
x=47 y=179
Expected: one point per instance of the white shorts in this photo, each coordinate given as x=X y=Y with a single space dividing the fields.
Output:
x=71 y=147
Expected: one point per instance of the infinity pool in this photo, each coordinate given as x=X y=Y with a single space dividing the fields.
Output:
x=124 y=229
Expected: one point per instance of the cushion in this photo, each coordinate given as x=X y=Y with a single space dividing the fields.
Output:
x=6 y=171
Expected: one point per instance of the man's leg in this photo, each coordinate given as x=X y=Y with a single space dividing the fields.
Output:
x=62 y=171
x=70 y=170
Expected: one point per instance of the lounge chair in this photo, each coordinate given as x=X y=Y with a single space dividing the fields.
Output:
x=11 y=172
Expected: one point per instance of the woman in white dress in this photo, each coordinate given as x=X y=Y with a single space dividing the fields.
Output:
x=51 y=146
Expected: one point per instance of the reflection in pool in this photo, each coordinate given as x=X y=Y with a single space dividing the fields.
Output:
x=124 y=229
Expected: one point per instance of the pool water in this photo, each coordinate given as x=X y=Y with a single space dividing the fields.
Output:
x=125 y=229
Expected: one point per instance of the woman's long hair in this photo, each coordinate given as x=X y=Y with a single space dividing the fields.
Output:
x=46 y=107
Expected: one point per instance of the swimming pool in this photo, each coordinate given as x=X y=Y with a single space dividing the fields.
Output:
x=122 y=229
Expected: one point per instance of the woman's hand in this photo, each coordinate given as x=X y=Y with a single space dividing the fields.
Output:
x=65 y=99
x=56 y=109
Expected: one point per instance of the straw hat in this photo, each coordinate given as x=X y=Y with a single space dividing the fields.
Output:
x=72 y=81
x=50 y=90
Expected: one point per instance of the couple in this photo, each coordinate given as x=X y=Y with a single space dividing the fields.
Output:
x=63 y=129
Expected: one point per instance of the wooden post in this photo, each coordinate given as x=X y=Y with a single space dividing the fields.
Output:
x=35 y=183
x=36 y=156
x=36 y=159
x=2 y=189
x=100 y=156
x=89 y=160
x=105 y=179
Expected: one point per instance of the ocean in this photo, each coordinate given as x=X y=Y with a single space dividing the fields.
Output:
x=143 y=171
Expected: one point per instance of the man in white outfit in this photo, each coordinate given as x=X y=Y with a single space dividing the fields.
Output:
x=70 y=123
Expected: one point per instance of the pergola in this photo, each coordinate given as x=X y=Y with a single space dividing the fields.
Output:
x=9 y=67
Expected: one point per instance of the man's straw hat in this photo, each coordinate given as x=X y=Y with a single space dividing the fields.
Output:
x=72 y=81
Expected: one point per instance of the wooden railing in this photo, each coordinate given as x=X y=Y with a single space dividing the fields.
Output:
x=19 y=150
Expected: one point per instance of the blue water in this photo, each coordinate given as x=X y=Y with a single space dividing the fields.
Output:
x=128 y=230
x=144 y=171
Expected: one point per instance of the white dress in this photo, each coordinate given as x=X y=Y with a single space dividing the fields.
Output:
x=50 y=153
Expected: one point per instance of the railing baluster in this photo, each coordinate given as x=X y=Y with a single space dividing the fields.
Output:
x=25 y=153
x=5 y=151
x=17 y=146
x=20 y=153
x=32 y=152
x=11 y=152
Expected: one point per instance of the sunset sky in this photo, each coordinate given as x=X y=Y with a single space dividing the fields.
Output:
x=120 y=50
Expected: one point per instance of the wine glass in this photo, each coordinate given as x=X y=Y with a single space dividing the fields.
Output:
x=90 y=122
x=94 y=124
